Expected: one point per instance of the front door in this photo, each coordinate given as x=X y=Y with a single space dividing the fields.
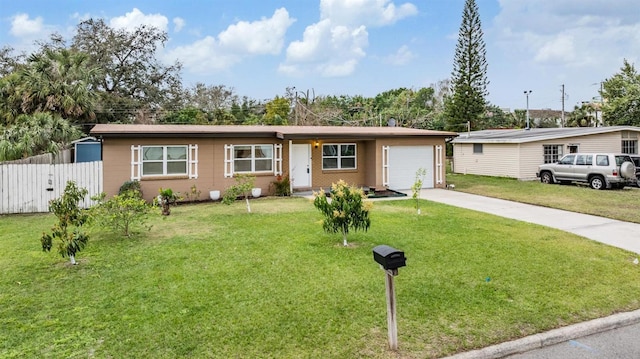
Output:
x=301 y=166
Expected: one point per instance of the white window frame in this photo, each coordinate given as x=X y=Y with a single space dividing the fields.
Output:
x=549 y=155
x=253 y=158
x=137 y=162
x=339 y=156
x=629 y=146
x=478 y=148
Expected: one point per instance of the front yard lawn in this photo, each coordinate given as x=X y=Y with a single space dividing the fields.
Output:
x=620 y=204
x=212 y=281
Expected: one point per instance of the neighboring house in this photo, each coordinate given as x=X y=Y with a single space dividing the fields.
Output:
x=517 y=153
x=180 y=156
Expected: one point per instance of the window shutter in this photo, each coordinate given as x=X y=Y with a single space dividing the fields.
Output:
x=136 y=162
x=278 y=159
x=439 y=171
x=228 y=161
x=385 y=166
x=193 y=161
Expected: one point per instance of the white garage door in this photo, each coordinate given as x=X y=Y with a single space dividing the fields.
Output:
x=404 y=162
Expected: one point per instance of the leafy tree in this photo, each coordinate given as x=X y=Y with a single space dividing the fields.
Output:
x=346 y=210
x=469 y=76
x=36 y=134
x=9 y=63
x=133 y=80
x=277 y=111
x=122 y=212
x=71 y=218
x=621 y=95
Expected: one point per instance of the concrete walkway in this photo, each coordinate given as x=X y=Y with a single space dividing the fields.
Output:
x=619 y=234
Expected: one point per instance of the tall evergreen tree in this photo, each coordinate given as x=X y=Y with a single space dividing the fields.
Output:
x=469 y=77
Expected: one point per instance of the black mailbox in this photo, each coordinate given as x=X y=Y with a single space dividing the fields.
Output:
x=388 y=257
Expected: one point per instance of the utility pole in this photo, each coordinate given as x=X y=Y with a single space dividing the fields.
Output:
x=527 y=94
x=562 y=119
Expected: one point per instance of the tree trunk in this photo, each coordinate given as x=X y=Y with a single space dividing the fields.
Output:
x=344 y=239
x=248 y=206
x=72 y=258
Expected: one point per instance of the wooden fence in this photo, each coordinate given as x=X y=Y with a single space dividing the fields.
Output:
x=28 y=188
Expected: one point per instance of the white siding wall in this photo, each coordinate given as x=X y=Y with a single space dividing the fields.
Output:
x=522 y=160
x=495 y=160
x=532 y=154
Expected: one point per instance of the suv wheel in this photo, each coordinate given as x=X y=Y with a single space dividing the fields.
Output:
x=546 y=177
x=597 y=182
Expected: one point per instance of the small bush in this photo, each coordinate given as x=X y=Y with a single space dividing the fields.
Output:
x=131 y=186
x=282 y=185
x=122 y=213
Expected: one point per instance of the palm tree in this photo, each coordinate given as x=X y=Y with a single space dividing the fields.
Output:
x=59 y=81
x=36 y=134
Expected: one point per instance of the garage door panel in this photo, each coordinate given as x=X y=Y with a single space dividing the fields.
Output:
x=404 y=162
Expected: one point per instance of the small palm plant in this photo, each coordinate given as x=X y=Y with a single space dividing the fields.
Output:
x=166 y=198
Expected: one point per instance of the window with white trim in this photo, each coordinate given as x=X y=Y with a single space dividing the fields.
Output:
x=339 y=156
x=164 y=160
x=252 y=158
x=552 y=153
x=477 y=148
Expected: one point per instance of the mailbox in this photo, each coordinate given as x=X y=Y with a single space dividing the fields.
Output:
x=388 y=257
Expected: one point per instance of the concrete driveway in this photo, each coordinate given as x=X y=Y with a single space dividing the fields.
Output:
x=620 y=234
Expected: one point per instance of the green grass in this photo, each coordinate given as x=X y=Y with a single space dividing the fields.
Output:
x=212 y=281
x=622 y=204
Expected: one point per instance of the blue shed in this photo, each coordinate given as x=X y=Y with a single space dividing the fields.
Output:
x=87 y=149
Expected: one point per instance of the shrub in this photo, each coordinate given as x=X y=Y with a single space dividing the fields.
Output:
x=243 y=186
x=71 y=218
x=346 y=209
x=193 y=194
x=122 y=212
x=131 y=186
x=282 y=185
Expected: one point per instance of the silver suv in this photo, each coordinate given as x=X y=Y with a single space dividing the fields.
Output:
x=599 y=170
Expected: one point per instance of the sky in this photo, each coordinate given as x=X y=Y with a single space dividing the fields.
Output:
x=363 y=47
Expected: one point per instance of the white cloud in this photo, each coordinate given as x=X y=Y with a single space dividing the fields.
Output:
x=237 y=42
x=335 y=44
x=178 y=23
x=569 y=32
x=23 y=26
x=365 y=12
x=402 y=57
x=265 y=36
x=136 y=18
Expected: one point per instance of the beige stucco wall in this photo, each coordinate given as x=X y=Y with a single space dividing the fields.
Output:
x=522 y=160
x=117 y=163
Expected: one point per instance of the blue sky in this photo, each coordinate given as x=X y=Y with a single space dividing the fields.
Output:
x=363 y=47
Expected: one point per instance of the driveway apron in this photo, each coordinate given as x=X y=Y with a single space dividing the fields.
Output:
x=615 y=233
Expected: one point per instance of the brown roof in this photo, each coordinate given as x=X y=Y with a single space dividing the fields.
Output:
x=281 y=132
